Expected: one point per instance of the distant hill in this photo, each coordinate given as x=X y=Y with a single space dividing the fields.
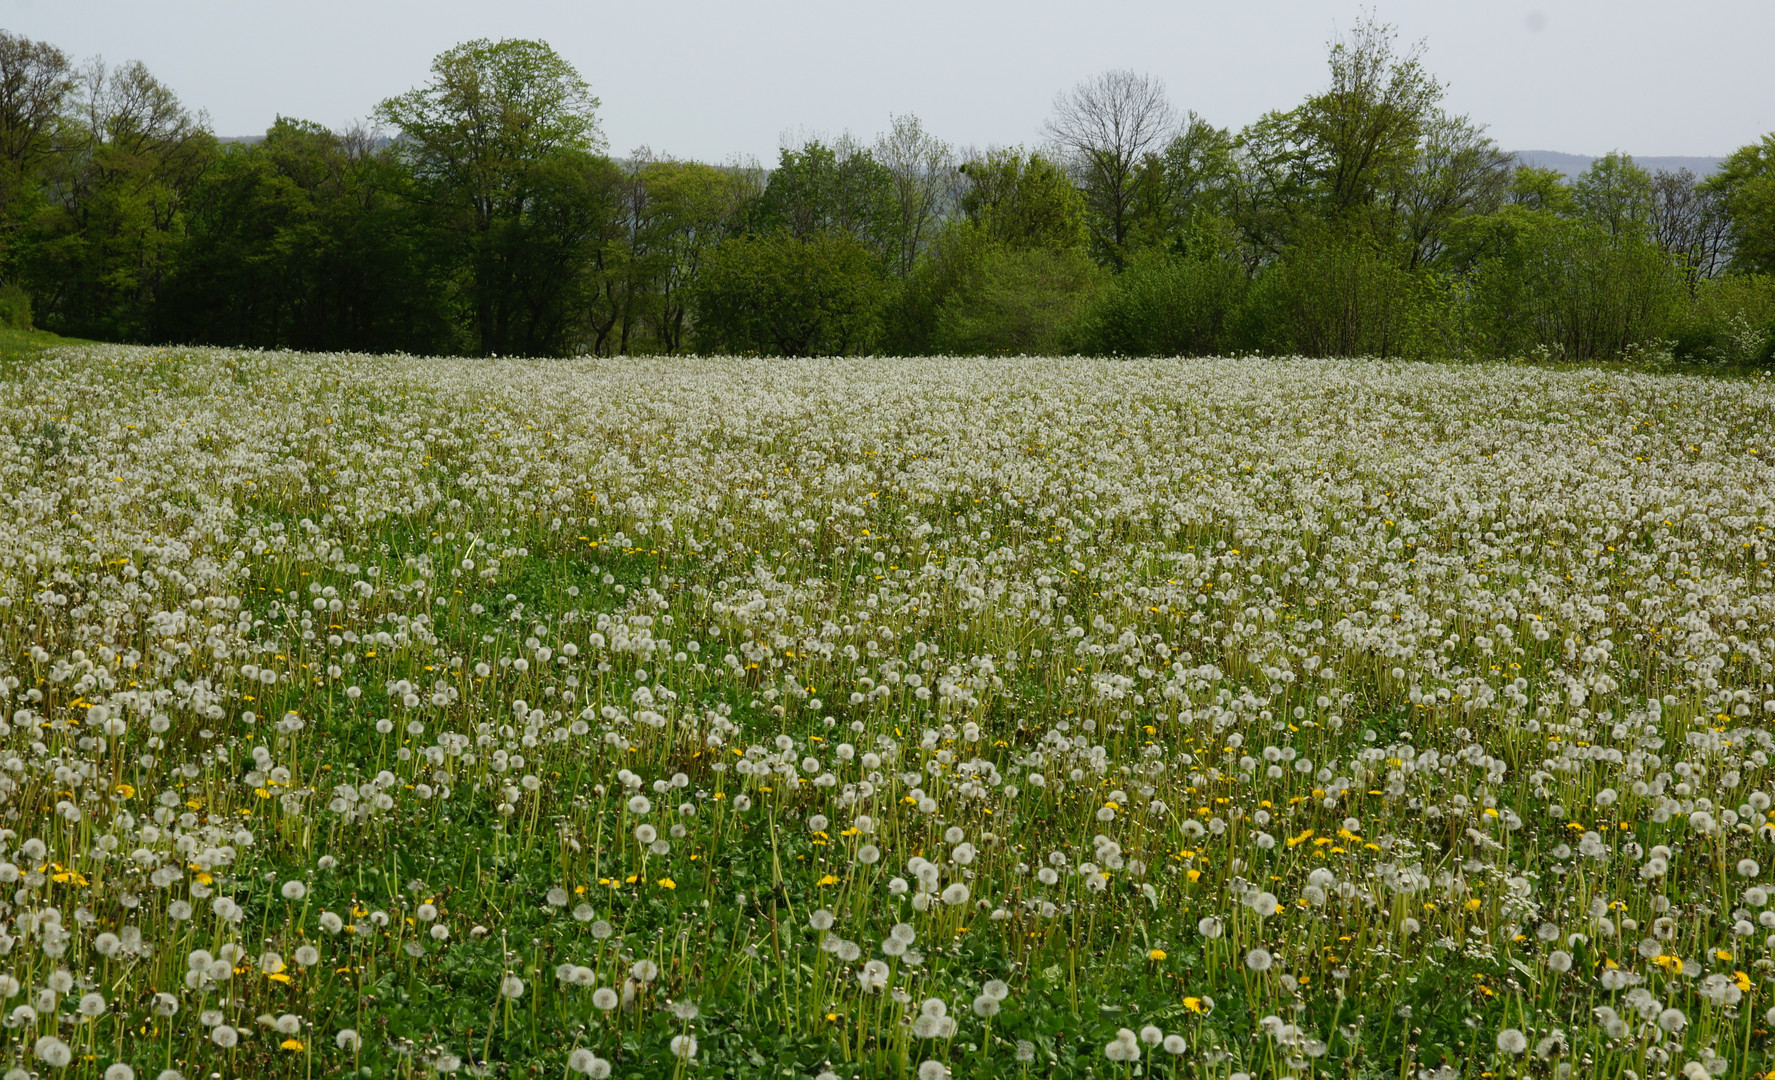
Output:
x=1573 y=164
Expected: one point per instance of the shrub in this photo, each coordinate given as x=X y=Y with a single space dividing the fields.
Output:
x=1169 y=305
x=15 y=307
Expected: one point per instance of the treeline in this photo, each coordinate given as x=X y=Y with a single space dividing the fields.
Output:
x=488 y=219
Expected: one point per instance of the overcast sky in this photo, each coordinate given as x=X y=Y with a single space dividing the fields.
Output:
x=722 y=80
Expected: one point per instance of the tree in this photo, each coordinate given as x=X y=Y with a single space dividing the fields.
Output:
x=1745 y=187
x=1456 y=171
x=1185 y=196
x=1024 y=201
x=117 y=197
x=838 y=188
x=688 y=210
x=1535 y=188
x=1026 y=301
x=1688 y=222
x=778 y=294
x=306 y=240
x=1108 y=125
x=492 y=112
x=1362 y=132
x=1616 y=195
x=922 y=168
x=36 y=81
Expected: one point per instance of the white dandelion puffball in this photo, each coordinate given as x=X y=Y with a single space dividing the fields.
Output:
x=1512 y=1041
x=294 y=890
x=511 y=986
x=1259 y=960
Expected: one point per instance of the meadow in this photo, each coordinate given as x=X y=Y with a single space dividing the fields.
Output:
x=1232 y=719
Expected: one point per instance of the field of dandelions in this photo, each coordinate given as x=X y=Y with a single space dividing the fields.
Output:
x=390 y=717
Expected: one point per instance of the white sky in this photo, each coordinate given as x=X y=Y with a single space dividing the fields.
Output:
x=719 y=80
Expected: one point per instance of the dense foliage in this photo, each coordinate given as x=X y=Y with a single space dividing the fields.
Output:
x=485 y=216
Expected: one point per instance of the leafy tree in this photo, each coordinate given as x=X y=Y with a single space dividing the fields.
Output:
x=1166 y=304
x=779 y=294
x=840 y=188
x=36 y=81
x=1108 y=125
x=1362 y=132
x=1457 y=171
x=688 y=208
x=1745 y=186
x=1185 y=197
x=1024 y=202
x=922 y=168
x=1564 y=285
x=1615 y=194
x=117 y=198
x=306 y=240
x=1535 y=188
x=1028 y=300
x=491 y=114
x=1341 y=292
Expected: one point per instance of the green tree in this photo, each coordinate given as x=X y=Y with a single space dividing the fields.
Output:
x=1616 y=195
x=1363 y=131
x=1027 y=301
x=1185 y=196
x=779 y=294
x=1535 y=280
x=102 y=251
x=1024 y=202
x=36 y=81
x=306 y=240
x=473 y=136
x=840 y=188
x=1745 y=187
x=1534 y=188
x=1342 y=292
x=689 y=207
x=1166 y=304
x=1457 y=171
x=922 y=168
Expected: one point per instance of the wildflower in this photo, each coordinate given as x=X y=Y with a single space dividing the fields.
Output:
x=53 y=1052
x=604 y=998
x=120 y=1071
x=1175 y=1045
x=1559 y=960
x=1155 y=954
x=294 y=890
x=933 y=1070
x=511 y=987
x=1512 y=1041
x=347 y=1039
x=684 y=1046
x=1259 y=960
x=224 y=1036
x=1209 y=927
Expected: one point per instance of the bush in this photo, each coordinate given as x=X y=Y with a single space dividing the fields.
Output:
x=1019 y=301
x=15 y=307
x=1566 y=288
x=776 y=294
x=1333 y=294
x=1169 y=305
x=1730 y=320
